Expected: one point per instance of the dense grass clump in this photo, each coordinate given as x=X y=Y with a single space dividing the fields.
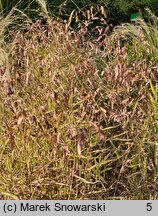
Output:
x=78 y=117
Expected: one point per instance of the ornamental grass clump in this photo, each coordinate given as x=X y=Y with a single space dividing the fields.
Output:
x=79 y=122
x=49 y=119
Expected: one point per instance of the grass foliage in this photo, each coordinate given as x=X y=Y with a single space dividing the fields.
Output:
x=78 y=116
